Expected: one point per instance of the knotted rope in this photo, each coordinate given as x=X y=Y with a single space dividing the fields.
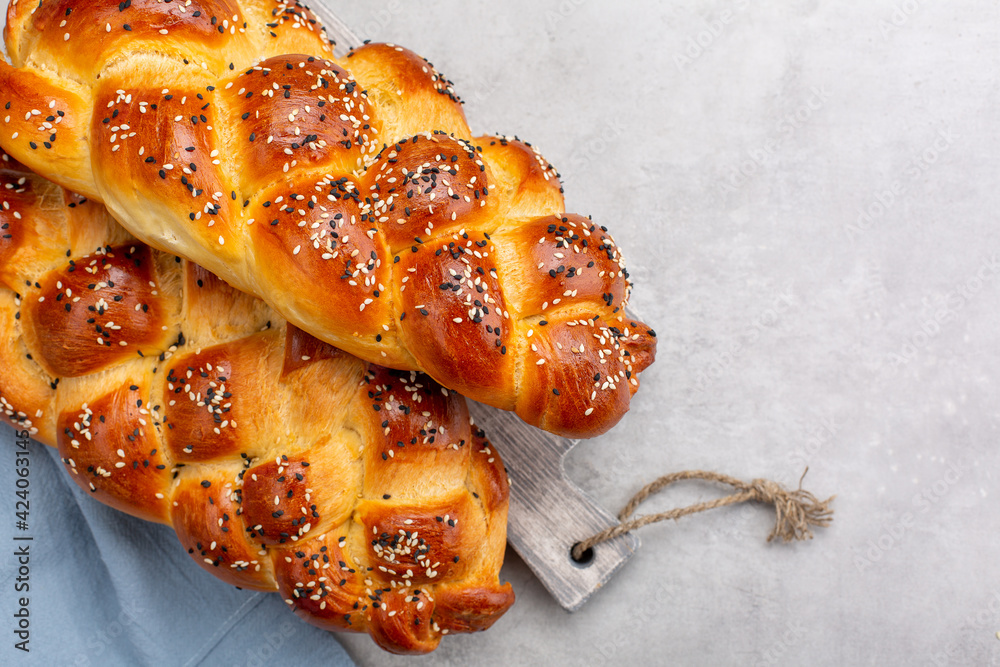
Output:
x=795 y=511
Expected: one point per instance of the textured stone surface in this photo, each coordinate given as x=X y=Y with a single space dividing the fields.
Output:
x=791 y=333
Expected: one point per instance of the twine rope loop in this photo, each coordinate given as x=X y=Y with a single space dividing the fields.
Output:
x=796 y=511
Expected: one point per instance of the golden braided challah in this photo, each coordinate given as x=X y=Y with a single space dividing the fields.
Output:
x=348 y=194
x=361 y=494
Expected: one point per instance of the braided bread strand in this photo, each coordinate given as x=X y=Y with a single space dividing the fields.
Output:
x=349 y=194
x=360 y=493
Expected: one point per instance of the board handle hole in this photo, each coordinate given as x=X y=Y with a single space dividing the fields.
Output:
x=585 y=559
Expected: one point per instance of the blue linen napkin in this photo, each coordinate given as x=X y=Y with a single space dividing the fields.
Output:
x=109 y=589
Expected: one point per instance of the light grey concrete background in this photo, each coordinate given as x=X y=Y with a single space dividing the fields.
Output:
x=732 y=147
x=807 y=196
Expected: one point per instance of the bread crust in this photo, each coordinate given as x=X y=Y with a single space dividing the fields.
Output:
x=307 y=180
x=284 y=464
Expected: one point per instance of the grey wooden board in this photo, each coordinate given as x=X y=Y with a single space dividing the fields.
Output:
x=548 y=513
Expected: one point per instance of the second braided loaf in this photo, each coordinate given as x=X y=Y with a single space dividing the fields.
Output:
x=363 y=495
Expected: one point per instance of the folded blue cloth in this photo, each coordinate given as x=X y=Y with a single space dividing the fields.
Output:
x=108 y=589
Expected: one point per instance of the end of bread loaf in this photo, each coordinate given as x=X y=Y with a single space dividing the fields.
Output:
x=430 y=523
x=590 y=396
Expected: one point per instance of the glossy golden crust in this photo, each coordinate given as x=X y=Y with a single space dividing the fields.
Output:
x=207 y=516
x=305 y=180
x=277 y=501
x=302 y=350
x=92 y=34
x=527 y=183
x=297 y=111
x=603 y=372
x=411 y=96
x=34 y=98
x=97 y=311
x=27 y=393
x=423 y=432
x=564 y=261
x=471 y=609
x=467 y=332
x=319 y=581
x=490 y=474
x=111 y=448
x=266 y=449
x=305 y=241
x=426 y=186
x=162 y=144
x=212 y=399
x=413 y=627
x=21 y=197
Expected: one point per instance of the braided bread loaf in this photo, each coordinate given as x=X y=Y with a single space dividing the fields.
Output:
x=360 y=493
x=348 y=194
